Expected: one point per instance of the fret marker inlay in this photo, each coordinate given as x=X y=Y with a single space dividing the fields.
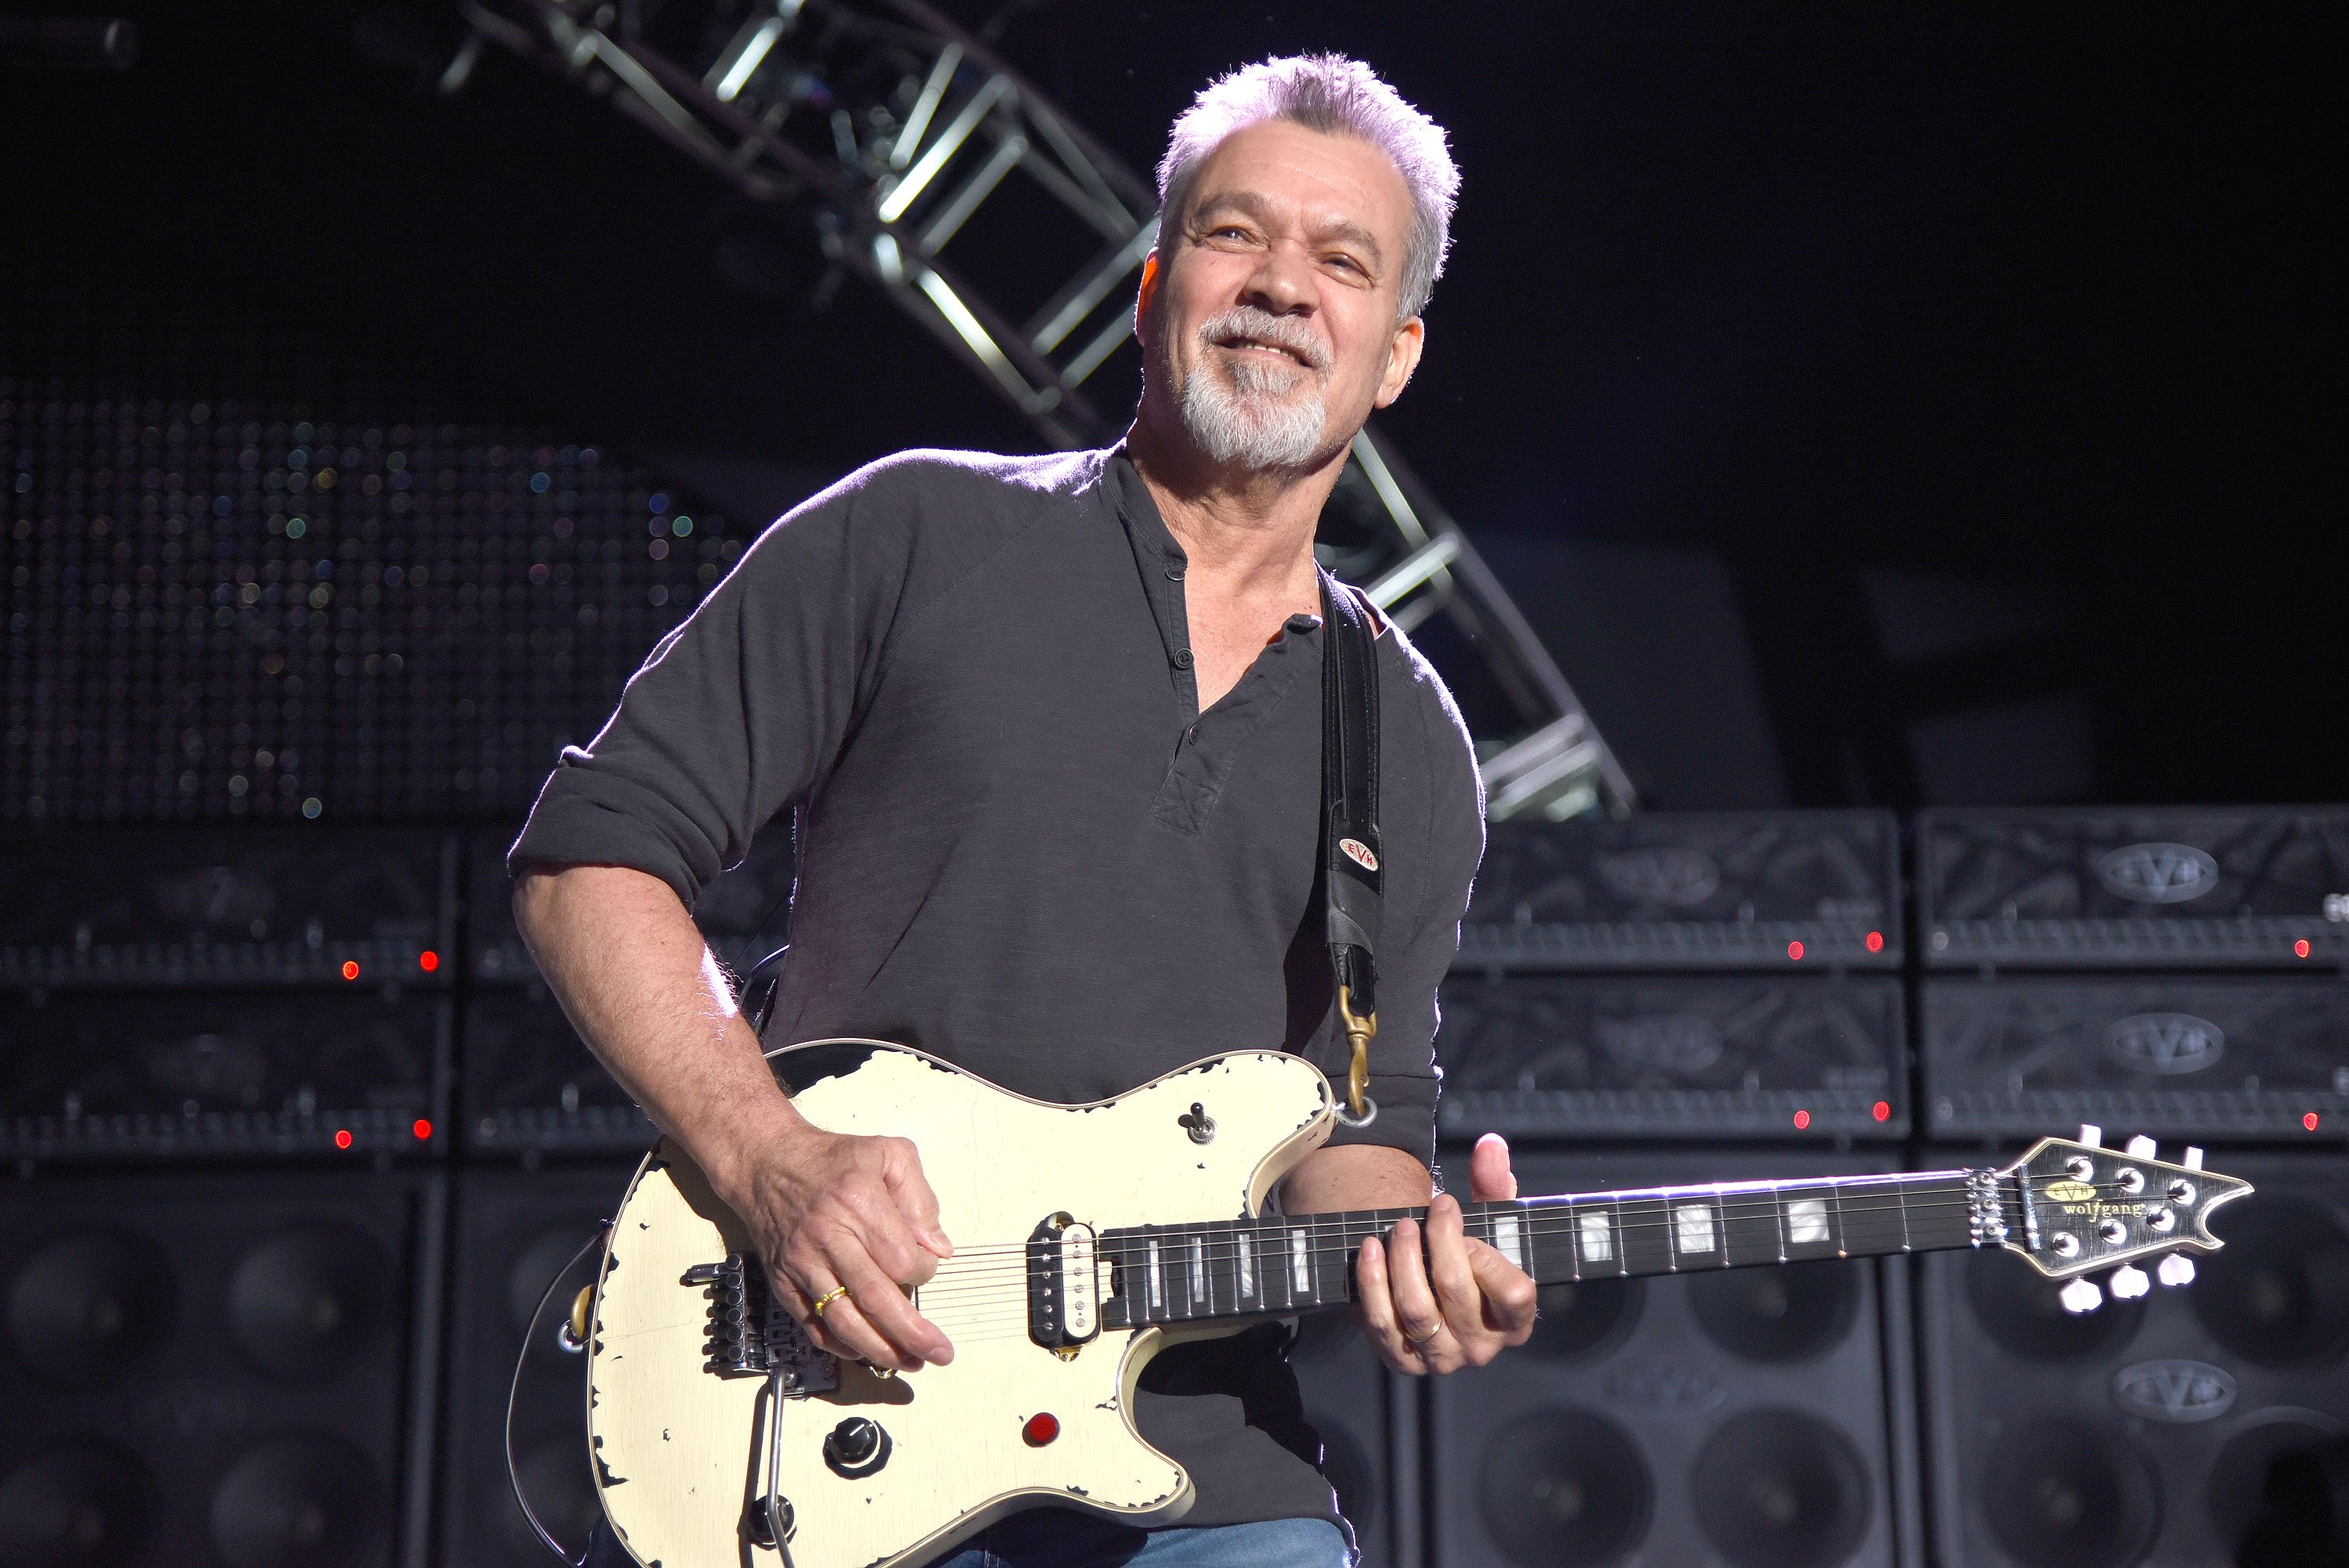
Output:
x=1694 y=1224
x=1508 y=1239
x=1300 y=1263
x=1157 y=1278
x=1198 y=1268
x=1807 y=1222
x=1598 y=1240
x=1248 y=1266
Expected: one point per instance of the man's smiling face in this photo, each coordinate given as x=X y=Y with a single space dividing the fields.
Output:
x=1272 y=311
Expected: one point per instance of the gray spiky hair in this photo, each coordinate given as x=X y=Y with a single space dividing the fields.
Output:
x=1342 y=96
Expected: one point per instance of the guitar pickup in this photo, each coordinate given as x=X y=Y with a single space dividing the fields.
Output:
x=1063 y=1285
x=752 y=1336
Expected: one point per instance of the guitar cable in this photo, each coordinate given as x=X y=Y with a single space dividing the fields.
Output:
x=513 y=1392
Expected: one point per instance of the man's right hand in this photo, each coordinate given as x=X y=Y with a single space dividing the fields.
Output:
x=832 y=1209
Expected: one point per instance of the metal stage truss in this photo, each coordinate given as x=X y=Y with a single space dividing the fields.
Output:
x=899 y=133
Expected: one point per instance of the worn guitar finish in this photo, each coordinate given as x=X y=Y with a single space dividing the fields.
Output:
x=1088 y=1237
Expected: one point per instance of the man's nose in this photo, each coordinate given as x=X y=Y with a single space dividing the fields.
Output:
x=1282 y=281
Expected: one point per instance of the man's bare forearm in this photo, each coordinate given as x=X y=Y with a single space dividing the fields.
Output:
x=1355 y=1176
x=644 y=991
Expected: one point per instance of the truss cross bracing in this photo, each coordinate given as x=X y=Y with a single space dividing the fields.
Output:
x=905 y=139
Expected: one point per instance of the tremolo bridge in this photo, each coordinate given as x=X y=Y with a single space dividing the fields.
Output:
x=750 y=1335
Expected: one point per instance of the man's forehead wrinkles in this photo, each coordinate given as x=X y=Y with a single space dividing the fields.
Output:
x=1256 y=206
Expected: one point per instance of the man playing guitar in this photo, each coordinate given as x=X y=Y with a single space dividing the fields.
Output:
x=1051 y=733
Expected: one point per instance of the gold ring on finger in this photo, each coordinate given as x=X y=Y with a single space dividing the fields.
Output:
x=1423 y=1339
x=827 y=1298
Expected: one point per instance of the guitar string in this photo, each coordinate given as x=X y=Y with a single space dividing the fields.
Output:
x=1795 y=1189
x=1537 y=1215
x=1276 y=1246
x=1323 y=1251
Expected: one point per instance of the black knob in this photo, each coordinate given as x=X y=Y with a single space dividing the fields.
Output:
x=758 y=1525
x=856 y=1447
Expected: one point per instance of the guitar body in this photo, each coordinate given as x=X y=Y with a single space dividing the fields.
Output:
x=681 y=1451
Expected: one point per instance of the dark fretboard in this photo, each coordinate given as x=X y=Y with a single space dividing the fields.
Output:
x=1287 y=1264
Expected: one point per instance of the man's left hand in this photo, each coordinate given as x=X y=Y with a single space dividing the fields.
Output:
x=1432 y=1298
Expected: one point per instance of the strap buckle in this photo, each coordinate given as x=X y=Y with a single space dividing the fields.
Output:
x=1361 y=1028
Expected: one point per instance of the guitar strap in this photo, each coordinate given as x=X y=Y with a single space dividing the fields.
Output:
x=1350 y=854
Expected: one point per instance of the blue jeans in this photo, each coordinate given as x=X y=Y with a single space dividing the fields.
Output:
x=1056 y=1538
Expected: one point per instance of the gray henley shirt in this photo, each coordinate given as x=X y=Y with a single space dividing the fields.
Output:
x=1019 y=844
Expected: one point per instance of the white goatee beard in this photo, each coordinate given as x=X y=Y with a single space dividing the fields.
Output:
x=1249 y=422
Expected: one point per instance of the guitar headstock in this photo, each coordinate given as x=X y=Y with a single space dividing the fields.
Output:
x=2083 y=1207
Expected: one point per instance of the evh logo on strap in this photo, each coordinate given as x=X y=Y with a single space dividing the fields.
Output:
x=2157 y=874
x=1360 y=854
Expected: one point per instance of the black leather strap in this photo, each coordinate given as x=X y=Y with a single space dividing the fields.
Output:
x=1351 y=853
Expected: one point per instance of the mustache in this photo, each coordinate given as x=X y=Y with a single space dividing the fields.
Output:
x=1263 y=326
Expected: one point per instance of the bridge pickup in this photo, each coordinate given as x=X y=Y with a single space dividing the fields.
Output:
x=752 y=1336
x=1063 y=1285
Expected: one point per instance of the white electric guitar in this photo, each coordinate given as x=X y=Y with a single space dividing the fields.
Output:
x=1088 y=1237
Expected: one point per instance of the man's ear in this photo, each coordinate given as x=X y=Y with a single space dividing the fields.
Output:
x=1402 y=358
x=1148 y=292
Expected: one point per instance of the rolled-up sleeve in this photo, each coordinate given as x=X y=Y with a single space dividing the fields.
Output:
x=742 y=707
x=1420 y=934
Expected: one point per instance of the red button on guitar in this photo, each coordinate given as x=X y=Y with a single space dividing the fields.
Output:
x=1041 y=1429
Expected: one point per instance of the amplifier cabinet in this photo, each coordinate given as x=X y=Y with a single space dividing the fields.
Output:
x=2168 y=888
x=110 y=1074
x=239 y=906
x=2139 y=1434
x=219 y=1371
x=1748 y=1418
x=1800 y=1057
x=1727 y=889
x=2233 y=1058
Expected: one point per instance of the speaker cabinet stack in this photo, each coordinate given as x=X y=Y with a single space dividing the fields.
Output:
x=1677 y=981
x=518 y=1232
x=1754 y=1417
x=1370 y=1437
x=235 y=1371
x=2172 y=974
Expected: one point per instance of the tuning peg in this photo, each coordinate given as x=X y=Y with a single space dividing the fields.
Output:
x=2092 y=1135
x=2080 y=1297
x=2129 y=1282
x=2174 y=1270
x=2193 y=1158
x=2140 y=1147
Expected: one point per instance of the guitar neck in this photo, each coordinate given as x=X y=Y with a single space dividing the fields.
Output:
x=1291 y=1264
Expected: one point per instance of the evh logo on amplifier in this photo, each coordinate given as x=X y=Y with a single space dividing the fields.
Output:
x=2157 y=874
x=1662 y=876
x=1657 y=1382
x=2177 y=1391
x=1663 y=1042
x=2166 y=1043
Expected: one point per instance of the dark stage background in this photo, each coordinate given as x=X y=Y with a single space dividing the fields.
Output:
x=1880 y=413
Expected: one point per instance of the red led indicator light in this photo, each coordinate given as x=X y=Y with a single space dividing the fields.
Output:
x=1802 y=1120
x=1795 y=951
x=342 y=1137
x=423 y=1130
x=428 y=961
x=350 y=968
x=2300 y=948
x=1880 y=1110
x=1041 y=1429
x=2309 y=1121
x=1875 y=942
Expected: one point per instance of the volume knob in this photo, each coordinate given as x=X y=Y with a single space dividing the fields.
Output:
x=856 y=1447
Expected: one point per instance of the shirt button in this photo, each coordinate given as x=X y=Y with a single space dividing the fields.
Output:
x=1301 y=623
x=1173 y=575
x=1181 y=658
